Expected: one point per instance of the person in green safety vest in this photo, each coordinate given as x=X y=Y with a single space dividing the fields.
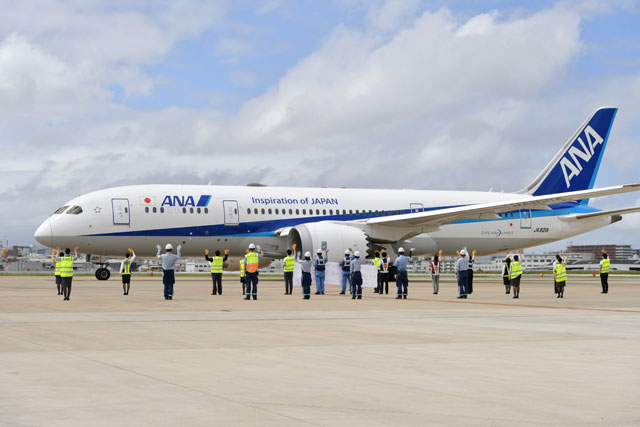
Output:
x=57 y=264
x=516 y=275
x=66 y=271
x=217 y=263
x=125 y=270
x=376 y=264
x=288 y=263
x=242 y=273
x=604 y=272
x=560 y=275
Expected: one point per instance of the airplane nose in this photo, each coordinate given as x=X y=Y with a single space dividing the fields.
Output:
x=44 y=235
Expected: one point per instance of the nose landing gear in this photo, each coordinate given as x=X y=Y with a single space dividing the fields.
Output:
x=103 y=273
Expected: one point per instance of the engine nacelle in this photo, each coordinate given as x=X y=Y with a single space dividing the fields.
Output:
x=338 y=238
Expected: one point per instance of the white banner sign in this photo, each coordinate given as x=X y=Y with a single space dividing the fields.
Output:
x=333 y=275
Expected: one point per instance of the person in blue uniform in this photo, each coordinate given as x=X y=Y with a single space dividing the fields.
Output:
x=402 y=278
x=168 y=260
x=462 y=269
x=320 y=264
x=345 y=264
x=356 y=276
x=305 y=266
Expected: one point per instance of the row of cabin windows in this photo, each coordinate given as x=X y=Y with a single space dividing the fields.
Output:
x=277 y=211
x=184 y=210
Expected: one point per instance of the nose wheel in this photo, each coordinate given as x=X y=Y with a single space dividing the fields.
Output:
x=103 y=273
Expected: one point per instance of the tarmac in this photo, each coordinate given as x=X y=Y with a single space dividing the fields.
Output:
x=105 y=359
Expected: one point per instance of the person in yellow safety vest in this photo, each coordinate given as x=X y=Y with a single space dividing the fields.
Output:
x=516 y=275
x=251 y=265
x=560 y=275
x=506 y=275
x=288 y=264
x=376 y=263
x=604 y=272
x=242 y=273
x=57 y=265
x=217 y=263
x=66 y=271
x=125 y=270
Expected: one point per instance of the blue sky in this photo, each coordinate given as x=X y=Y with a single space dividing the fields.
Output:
x=310 y=85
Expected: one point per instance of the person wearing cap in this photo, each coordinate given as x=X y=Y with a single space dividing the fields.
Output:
x=345 y=264
x=288 y=264
x=66 y=271
x=462 y=268
x=506 y=274
x=125 y=270
x=251 y=265
x=604 y=272
x=217 y=263
x=385 y=263
x=402 y=278
x=305 y=266
x=356 y=276
x=320 y=264
x=168 y=260
x=56 y=272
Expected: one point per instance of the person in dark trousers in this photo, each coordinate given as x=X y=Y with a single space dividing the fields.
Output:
x=472 y=260
x=376 y=263
x=402 y=276
x=66 y=271
x=462 y=269
x=306 y=265
x=217 y=264
x=168 y=260
x=356 y=276
x=434 y=272
x=604 y=272
x=560 y=275
x=125 y=271
x=345 y=265
x=320 y=265
x=385 y=264
x=57 y=265
x=516 y=275
x=288 y=264
x=506 y=275
x=242 y=274
x=251 y=266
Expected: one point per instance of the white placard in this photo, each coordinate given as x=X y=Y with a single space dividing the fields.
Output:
x=333 y=275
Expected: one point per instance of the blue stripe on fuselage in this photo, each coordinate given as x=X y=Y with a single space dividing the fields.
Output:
x=267 y=228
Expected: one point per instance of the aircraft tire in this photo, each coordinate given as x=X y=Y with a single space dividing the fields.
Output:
x=103 y=274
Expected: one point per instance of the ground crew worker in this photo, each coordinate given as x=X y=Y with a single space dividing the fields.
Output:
x=288 y=264
x=217 y=262
x=402 y=278
x=57 y=265
x=66 y=271
x=604 y=272
x=434 y=269
x=472 y=260
x=251 y=265
x=125 y=271
x=516 y=275
x=168 y=260
x=376 y=263
x=385 y=263
x=305 y=266
x=345 y=264
x=560 y=276
x=462 y=272
x=320 y=264
x=506 y=275
x=242 y=274
x=356 y=276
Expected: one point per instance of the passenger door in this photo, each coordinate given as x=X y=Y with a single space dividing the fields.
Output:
x=121 y=214
x=416 y=207
x=525 y=218
x=231 y=216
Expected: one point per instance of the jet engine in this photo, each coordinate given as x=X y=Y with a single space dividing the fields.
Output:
x=329 y=235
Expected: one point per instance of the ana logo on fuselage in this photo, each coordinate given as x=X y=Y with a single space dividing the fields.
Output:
x=186 y=201
x=570 y=164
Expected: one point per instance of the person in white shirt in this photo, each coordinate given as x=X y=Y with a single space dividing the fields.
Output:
x=125 y=270
x=434 y=268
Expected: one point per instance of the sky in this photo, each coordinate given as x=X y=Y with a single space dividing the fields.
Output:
x=456 y=95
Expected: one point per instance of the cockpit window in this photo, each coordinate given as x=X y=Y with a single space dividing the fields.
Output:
x=62 y=209
x=75 y=210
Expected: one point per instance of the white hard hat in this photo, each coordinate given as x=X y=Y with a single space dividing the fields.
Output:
x=347 y=252
x=307 y=254
x=319 y=251
x=400 y=250
x=169 y=246
x=252 y=246
x=357 y=254
x=463 y=252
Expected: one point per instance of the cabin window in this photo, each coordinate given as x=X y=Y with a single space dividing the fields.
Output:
x=304 y=211
x=198 y=210
x=357 y=212
x=161 y=209
x=184 y=210
x=344 y=211
x=297 y=211
x=330 y=211
x=262 y=211
x=75 y=210
x=277 y=211
x=370 y=213
x=190 y=210
x=146 y=209
x=324 y=211
x=317 y=211
x=154 y=209
x=290 y=211
x=350 y=212
x=269 y=211
x=255 y=211
x=206 y=210
x=62 y=209
x=249 y=211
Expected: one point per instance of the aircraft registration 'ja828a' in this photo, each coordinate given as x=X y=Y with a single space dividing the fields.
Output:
x=553 y=207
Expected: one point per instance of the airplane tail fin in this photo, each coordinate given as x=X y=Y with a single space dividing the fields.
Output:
x=576 y=165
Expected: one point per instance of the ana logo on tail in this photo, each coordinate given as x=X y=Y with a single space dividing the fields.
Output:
x=571 y=166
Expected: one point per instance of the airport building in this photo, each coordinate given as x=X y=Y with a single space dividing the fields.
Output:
x=615 y=252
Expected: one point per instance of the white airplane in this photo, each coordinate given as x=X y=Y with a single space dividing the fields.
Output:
x=198 y=217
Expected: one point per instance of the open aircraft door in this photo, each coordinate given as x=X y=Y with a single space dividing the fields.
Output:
x=231 y=213
x=525 y=218
x=121 y=211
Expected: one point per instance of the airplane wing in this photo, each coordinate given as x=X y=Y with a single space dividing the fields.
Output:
x=436 y=218
x=577 y=217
